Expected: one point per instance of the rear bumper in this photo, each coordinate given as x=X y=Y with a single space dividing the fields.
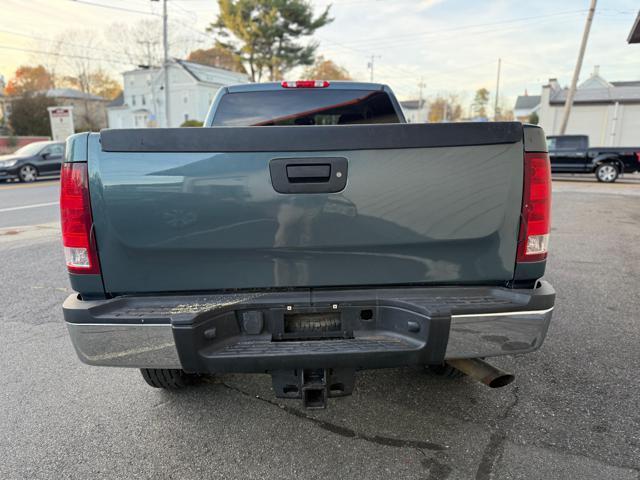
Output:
x=248 y=332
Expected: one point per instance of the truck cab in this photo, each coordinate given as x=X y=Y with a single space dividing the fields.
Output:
x=568 y=153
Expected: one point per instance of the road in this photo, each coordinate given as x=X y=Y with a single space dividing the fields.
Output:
x=572 y=412
x=30 y=204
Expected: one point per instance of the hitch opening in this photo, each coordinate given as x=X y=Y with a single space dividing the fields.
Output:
x=313 y=385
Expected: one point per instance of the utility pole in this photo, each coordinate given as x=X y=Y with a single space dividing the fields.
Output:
x=496 y=110
x=576 y=72
x=147 y=44
x=370 y=66
x=421 y=85
x=165 y=63
x=165 y=45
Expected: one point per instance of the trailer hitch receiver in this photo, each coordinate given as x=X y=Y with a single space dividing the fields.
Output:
x=313 y=385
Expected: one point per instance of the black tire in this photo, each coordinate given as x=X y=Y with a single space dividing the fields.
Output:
x=444 y=371
x=28 y=173
x=169 y=379
x=607 y=172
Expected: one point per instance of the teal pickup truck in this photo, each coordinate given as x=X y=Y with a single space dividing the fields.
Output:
x=307 y=232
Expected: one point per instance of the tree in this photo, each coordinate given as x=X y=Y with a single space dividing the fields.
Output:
x=533 y=118
x=29 y=80
x=98 y=83
x=29 y=115
x=141 y=43
x=266 y=34
x=505 y=115
x=326 y=70
x=218 y=56
x=445 y=109
x=480 y=102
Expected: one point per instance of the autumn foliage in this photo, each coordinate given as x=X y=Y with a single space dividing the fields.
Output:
x=324 y=69
x=29 y=80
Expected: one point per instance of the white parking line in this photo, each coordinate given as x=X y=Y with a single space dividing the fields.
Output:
x=37 y=205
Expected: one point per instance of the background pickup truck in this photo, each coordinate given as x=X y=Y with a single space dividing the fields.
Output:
x=571 y=154
x=331 y=239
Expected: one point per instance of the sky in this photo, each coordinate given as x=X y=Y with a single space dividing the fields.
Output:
x=448 y=46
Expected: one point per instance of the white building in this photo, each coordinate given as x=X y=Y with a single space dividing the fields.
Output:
x=525 y=106
x=192 y=87
x=415 y=111
x=608 y=112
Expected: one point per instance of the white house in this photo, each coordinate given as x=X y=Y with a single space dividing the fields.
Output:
x=608 y=112
x=526 y=105
x=415 y=111
x=192 y=87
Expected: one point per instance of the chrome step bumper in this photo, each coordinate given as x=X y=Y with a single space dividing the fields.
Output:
x=244 y=332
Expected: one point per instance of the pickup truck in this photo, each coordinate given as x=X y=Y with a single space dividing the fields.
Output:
x=307 y=232
x=572 y=154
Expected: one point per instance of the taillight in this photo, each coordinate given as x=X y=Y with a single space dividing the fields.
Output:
x=305 y=84
x=75 y=218
x=536 y=208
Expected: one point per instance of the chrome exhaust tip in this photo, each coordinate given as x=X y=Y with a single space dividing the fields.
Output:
x=482 y=371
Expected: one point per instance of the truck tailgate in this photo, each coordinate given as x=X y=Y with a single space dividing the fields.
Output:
x=196 y=209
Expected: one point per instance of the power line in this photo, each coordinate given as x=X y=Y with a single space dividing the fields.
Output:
x=385 y=40
x=113 y=7
x=36 y=37
x=58 y=54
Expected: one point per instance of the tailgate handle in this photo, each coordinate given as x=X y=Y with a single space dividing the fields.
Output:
x=309 y=174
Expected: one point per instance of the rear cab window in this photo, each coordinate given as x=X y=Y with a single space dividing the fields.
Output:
x=305 y=107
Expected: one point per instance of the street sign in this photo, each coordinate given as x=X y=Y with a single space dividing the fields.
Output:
x=61 y=119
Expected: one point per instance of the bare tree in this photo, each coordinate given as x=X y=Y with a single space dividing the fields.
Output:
x=81 y=52
x=141 y=43
x=49 y=57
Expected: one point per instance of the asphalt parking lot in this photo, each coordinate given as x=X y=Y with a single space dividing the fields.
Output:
x=573 y=411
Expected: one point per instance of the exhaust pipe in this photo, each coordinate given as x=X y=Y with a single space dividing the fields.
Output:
x=483 y=372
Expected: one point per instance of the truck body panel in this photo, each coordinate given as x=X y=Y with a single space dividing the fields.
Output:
x=199 y=221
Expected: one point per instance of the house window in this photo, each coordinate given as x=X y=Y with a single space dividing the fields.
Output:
x=144 y=101
x=186 y=99
x=186 y=117
x=133 y=100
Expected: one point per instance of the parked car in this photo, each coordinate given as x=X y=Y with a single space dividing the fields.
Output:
x=31 y=161
x=307 y=252
x=572 y=154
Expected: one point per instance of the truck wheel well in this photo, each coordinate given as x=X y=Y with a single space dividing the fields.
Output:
x=616 y=161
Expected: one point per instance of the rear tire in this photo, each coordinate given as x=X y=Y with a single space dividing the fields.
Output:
x=607 y=173
x=28 y=173
x=444 y=371
x=168 y=378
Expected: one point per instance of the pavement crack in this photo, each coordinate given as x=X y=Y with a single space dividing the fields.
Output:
x=437 y=469
x=495 y=446
x=345 y=431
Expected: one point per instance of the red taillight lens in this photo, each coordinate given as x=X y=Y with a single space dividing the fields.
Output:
x=306 y=84
x=75 y=218
x=536 y=208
